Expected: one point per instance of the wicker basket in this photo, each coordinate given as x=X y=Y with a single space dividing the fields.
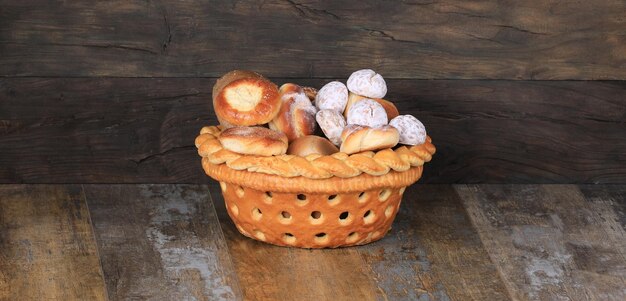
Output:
x=313 y=202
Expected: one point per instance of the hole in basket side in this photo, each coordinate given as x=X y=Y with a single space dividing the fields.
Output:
x=301 y=199
x=345 y=218
x=256 y=214
x=333 y=199
x=363 y=197
x=369 y=217
x=239 y=191
x=316 y=217
x=260 y=235
x=352 y=237
x=389 y=211
x=284 y=217
x=289 y=238
x=234 y=210
x=321 y=238
x=268 y=197
x=384 y=194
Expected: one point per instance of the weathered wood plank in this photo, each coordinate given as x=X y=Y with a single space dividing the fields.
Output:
x=269 y=272
x=608 y=196
x=448 y=39
x=549 y=242
x=142 y=130
x=161 y=242
x=47 y=249
x=433 y=252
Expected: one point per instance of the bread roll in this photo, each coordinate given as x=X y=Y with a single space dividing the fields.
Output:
x=367 y=112
x=389 y=107
x=358 y=138
x=243 y=97
x=368 y=83
x=332 y=96
x=310 y=92
x=412 y=131
x=296 y=117
x=332 y=124
x=311 y=144
x=254 y=140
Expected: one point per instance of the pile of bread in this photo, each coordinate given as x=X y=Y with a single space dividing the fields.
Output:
x=261 y=119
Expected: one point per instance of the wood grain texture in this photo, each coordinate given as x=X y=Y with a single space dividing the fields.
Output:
x=142 y=130
x=268 y=272
x=47 y=248
x=161 y=242
x=433 y=252
x=548 y=242
x=449 y=39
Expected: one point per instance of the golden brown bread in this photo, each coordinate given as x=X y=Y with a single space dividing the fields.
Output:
x=255 y=140
x=296 y=117
x=358 y=138
x=311 y=144
x=390 y=108
x=243 y=97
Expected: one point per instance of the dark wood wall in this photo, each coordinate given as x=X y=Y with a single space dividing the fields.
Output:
x=510 y=91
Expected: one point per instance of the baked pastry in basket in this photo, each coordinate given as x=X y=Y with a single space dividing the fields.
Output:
x=314 y=196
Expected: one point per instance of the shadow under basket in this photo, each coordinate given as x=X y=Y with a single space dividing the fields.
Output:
x=316 y=201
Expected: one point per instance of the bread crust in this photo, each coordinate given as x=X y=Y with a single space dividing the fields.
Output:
x=296 y=117
x=311 y=144
x=255 y=140
x=390 y=108
x=359 y=138
x=243 y=97
x=332 y=124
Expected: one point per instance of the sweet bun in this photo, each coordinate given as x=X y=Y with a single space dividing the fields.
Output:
x=412 y=131
x=367 y=112
x=307 y=145
x=332 y=124
x=368 y=83
x=389 y=107
x=243 y=97
x=296 y=117
x=358 y=138
x=254 y=140
x=332 y=96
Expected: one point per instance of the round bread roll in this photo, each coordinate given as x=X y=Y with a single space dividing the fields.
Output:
x=332 y=96
x=389 y=107
x=311 y=144
x=243 y=97
x=254 y=140
x=367 y=112
x=296 y=117
x=358 y=138
x=332 y=124
x=368 y=83
x=412 y=131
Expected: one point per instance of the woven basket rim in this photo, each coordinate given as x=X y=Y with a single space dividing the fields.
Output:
x=334 y=185
x=338 y=165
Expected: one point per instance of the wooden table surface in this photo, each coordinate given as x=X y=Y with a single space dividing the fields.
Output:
x=176 y=242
